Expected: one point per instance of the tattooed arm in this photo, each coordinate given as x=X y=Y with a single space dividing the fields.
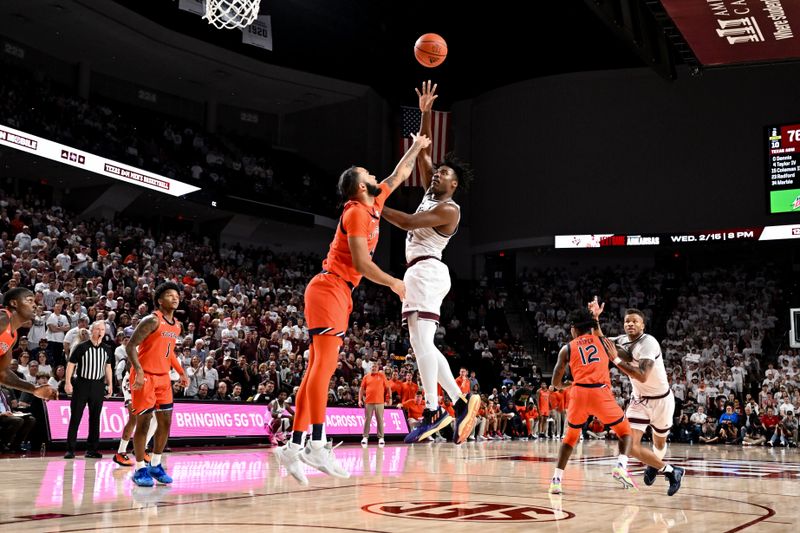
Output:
x=406 y=164
x=146 y=326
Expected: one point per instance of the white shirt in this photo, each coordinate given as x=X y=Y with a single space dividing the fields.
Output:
x=65 y=260
x=782 y=408
x=56 y=320
x=646 y=347
x=71 y=335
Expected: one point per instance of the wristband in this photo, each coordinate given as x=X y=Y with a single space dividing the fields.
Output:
x=617 y=360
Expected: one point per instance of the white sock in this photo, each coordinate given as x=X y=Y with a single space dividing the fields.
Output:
x=296 y=447
x=155 y=460
x=666 y=470
x=559 y=474
x=318 y=444
x=139 y=465
x=622 y=461
x=433 y=367
x=660 y=452
x=123 y=446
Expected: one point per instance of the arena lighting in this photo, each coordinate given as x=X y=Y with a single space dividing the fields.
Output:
x=25 y=142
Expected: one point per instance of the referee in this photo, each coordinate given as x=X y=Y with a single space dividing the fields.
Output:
x=90 y=361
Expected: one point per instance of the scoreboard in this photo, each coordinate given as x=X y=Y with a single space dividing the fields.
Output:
x=783 y=168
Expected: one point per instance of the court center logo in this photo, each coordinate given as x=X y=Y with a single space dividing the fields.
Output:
x=467 y=511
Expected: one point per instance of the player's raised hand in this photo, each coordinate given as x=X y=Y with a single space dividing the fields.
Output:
x=423 y=141
x=595 y=308
x=427 y=96
x=399 y=288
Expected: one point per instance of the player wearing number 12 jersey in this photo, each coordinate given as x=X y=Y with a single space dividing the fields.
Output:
x=151 y=352
x=588 y=356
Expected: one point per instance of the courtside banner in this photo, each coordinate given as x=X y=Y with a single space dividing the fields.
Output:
x=217 y=420
x=25 y=142
x=722 y=32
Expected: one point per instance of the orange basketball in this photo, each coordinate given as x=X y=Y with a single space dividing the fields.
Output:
x=430 y=50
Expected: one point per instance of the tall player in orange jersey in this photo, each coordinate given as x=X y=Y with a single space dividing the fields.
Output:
x=588 y=356
x=328 y=304
x=151 y=352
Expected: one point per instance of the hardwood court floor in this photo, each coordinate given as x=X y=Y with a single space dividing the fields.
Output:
x=497 y=485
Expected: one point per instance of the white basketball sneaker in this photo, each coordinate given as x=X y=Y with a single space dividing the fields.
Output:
x=323 y=459
x=290 y=460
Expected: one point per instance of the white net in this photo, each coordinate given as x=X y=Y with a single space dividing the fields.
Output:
x=230 y=14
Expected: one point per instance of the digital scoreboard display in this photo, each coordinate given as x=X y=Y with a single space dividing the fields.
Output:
x=783 y=168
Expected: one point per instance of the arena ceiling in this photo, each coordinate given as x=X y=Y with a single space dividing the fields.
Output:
x=324 y=52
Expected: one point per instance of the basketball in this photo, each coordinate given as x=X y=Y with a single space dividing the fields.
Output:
x=430 y=50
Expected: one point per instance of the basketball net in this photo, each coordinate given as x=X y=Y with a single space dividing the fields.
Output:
x=230 y=14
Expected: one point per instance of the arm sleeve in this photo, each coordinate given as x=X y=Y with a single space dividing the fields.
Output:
x=355 y=222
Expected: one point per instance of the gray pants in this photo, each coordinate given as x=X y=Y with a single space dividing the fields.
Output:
x=377 y=409
x=558 y=421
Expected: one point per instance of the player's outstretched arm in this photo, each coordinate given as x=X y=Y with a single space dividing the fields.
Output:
x=442 y=215
x=403 y=169
x=11 y=380
x=424 y=161
x=145 y=327
x=560 y=368
x=362 y=262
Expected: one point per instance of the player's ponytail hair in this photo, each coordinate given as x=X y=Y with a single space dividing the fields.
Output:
x=463 y=170
x=348 y=184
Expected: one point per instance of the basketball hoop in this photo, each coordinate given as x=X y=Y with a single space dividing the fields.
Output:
x=230 y=14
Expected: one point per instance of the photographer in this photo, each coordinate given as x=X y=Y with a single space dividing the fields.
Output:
x=786 y=430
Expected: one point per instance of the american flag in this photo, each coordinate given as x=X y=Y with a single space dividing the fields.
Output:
x=440 y=126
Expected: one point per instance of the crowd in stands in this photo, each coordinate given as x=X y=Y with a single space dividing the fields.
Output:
x=245 y=337
x=222 y=163
x=242 y=309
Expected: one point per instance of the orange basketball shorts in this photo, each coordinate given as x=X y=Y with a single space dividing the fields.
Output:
x=597 y=401
x=328 y=301
x=155 y=394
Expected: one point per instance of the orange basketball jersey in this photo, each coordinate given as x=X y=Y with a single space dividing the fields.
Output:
x=588 y=360
x=155 y=350
x=7 y=337
x=357 y=220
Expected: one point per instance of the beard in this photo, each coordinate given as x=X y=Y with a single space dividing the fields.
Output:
x=373 y=190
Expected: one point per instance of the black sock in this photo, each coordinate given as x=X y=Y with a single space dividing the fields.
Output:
x=297 y=437
x=316 y=431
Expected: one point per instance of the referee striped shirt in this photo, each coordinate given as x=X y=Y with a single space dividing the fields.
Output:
x=91 y=360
